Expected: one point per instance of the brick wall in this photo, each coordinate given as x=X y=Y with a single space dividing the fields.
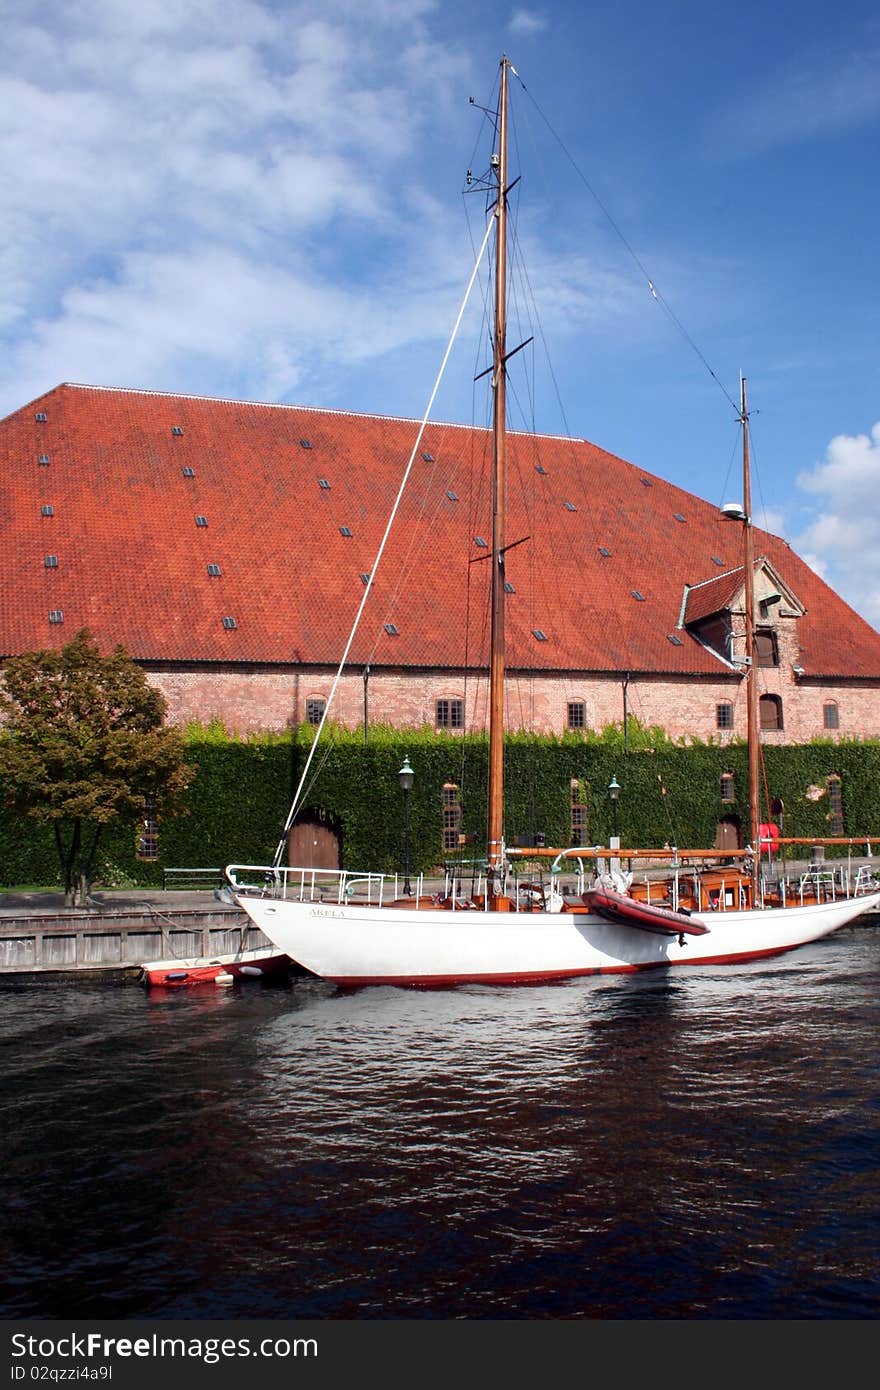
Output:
x=254 y=699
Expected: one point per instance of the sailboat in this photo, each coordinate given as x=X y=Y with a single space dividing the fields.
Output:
x=349 y=928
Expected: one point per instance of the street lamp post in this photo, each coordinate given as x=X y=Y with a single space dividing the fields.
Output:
x=406 y=776
x=614 y=793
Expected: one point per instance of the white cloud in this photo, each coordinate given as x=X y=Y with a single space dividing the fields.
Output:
x=841 y=540
x=771 y=519
x=527 y=22
x=187 y=177
x=816 y=94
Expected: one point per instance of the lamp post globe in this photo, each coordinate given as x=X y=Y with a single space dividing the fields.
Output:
x=406 y=777
x=614 y=793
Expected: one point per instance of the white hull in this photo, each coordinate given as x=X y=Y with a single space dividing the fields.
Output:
x=355 y=945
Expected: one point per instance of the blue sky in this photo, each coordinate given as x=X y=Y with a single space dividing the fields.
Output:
x=264 y=200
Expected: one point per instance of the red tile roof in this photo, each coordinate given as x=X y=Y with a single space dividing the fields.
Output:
x=133 y=563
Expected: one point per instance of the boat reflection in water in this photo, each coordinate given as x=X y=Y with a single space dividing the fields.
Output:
x=666 y=1145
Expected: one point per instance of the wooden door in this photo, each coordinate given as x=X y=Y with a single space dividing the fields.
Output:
x=314 y=844
x=727 y=834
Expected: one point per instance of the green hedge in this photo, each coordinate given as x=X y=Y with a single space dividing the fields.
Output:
x=239 y=799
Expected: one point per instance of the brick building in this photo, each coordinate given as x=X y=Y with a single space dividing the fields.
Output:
x=227 y=545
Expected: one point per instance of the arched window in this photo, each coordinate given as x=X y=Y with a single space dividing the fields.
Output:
x=728 y=787
x=147 y=846
x=830 y=715
x=315 y=709
x=770 y=711
x=580 y=820
x=835 y=804
x=451 y=816
x=577 y=714
x=724 y=715
x=450 y=714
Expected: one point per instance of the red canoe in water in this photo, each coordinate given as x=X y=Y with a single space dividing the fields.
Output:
x=204 y=970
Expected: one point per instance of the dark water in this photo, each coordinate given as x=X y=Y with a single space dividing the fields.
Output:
x=704 y=1144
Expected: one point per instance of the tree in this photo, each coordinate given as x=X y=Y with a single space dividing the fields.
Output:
x=84 y=746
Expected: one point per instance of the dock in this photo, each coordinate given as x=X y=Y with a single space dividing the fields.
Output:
x=116 y=933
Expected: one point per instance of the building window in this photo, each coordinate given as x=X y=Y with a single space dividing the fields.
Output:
x=835 y=804
x=450 y=714
x=728 y=787
x=315 y=709
x=451 y=817
x=830 y=715
x=148 y=836
x=770 y=712
x=724 y=715
x=580 y=821
x=577 y=714
x=766 y=650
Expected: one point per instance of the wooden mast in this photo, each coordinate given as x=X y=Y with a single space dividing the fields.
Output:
x=751 y=673
x=495 y=836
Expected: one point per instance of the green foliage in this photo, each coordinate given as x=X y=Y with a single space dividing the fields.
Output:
x=84 y=747
x=237 y=802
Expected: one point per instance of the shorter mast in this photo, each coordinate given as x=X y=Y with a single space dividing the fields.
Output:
x=751 y=673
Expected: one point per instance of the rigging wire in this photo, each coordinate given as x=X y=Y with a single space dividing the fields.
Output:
x=660 y=299
x=297 y=798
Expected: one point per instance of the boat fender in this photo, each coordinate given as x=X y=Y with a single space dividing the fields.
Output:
x=250 y=970
x=223 y=978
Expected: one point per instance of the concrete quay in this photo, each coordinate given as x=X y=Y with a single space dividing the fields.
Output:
x=116 y=933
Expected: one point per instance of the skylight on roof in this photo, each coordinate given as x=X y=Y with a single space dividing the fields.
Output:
x=365 y=579
x=676 y=641
x=214 y=571
x=176 y=430
x=429 y=458
x=40 y=417
x=640 y=598
x=391 y=630
x=539 y=635
x=189 y=472
x=44 y=458
x=56 y=615
x=47 y=509
x=569 y=506
x=51 y=562
x=453 y=496
x=201 y=521
x=646 y=482
x=603 y=550
x=508 y=587
x=717 y=560
x=345 y=530
x=539 y=468
x=678 y=516
x=324 y=484
x=230 y=624
x=305 y=444
x=481 y=541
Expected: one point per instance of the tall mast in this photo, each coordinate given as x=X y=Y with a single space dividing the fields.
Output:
x=495 y=835
x=751 y=673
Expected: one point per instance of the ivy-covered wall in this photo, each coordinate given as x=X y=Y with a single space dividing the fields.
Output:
x=239 y=799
